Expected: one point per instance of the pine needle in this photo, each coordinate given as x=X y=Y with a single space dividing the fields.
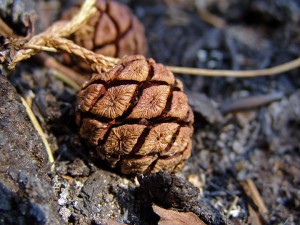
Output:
x=39 y=129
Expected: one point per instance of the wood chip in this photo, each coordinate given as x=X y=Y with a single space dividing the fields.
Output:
x=252 y=192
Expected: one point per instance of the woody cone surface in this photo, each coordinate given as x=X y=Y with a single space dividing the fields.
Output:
x=136 y=117
x=113 y=31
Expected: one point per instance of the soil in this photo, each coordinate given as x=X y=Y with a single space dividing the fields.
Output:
x=246 y=129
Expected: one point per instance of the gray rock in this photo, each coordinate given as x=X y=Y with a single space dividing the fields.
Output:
x=26 y=195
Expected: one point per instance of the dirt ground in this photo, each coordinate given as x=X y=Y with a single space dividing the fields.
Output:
x=246 y=135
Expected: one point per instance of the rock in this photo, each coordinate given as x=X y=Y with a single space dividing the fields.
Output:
x=25 y=191
x=170 y=191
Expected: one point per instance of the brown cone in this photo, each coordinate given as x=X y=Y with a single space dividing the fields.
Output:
x=114 y=31
x=136 y=117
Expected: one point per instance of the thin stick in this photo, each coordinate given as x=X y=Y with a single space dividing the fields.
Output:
x=238 y=73
x=87 y=10
x=39 y=129
x=254 y=194
x=97 y=62
x=39 y=48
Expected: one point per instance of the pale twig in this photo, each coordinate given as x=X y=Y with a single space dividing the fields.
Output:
x=97 y=62
x=39 y=129
x=254 y=194
x=102 y=63
x=237 y=73
x=39 y=48
x=87 y=11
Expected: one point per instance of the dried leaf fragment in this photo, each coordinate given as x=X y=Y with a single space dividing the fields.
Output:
x=170 y=217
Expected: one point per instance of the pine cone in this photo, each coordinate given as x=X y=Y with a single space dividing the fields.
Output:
x=136 y=117
x=114 y=31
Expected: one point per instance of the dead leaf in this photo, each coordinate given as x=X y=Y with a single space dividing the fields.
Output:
x=170 y=217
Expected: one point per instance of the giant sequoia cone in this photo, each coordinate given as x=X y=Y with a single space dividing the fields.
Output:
x=113 y=31
x=136 y=117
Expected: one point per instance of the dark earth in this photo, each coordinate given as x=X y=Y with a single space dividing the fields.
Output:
x=246 y=129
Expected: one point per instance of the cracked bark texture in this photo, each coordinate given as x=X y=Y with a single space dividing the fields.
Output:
x=136 y=117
